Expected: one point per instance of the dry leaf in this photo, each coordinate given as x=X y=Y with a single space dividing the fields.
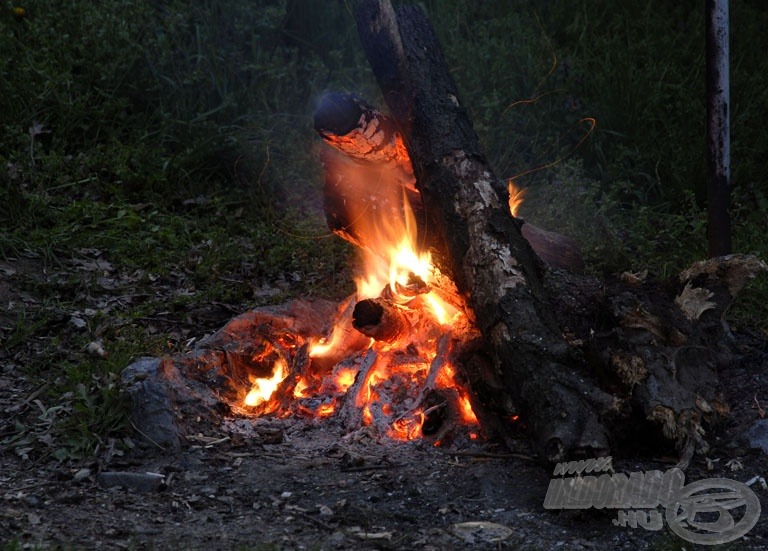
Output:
x=480 y=531
x=694 y=301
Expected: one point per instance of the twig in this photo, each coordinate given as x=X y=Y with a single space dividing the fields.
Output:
x=760 y=410
x=32 y=486
x=370 y=468
x=314 y=520
x=491 y=455
x=145 y=435
x=35 y=394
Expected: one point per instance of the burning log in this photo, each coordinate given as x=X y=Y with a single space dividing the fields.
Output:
x=372 y=140
x=379 y=319
x=583 y=364
x=363 y=133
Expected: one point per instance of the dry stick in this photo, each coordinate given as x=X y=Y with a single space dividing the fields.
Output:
x=371 y=468
x=28 y=400
x=490 y=455
x=314 y=520
x=145 y=435
x=353 y=412
x=429 y=383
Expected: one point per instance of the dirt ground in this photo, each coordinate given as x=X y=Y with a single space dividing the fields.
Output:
x=295 y=484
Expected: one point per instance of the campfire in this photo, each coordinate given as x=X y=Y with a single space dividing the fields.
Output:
x=388 y=360
x=385 y=360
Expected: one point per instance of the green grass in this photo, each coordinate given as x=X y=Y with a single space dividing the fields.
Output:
x=174 y=142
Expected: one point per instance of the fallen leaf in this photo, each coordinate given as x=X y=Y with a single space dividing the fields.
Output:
x=480 y=531
x=694 y=301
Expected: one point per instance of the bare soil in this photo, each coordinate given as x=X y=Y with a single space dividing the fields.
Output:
x=296 y=484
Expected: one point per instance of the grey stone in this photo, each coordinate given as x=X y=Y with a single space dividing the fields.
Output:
x=151 y=409
x=140 y=482
x=756 y=436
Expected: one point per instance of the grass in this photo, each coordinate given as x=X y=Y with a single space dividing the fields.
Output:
x=173 y=142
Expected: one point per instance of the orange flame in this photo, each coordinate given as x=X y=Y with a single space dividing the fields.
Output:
x=407 y=428
x=516 y=196
x=345 y=378
x=262 y=389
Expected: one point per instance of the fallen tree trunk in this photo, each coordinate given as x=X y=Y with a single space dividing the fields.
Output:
x=581 y=362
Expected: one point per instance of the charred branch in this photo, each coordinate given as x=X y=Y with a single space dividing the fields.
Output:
x=379 y=319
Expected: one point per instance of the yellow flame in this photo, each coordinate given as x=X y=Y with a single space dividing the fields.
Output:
x=321 y=347
x=263 y=388
x=438 y=308
x=516 y=196
x=300 y=390
x=408 y=428
x=465 y=408
x=393 y=258
x=345 y=379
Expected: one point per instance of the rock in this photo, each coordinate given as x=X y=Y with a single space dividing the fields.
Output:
x=140 y=482
x=151 y=409
x=756 y=436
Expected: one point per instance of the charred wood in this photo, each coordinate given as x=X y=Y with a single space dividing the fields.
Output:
x=379 y=319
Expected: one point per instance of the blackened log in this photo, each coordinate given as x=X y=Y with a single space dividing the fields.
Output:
x=364 y=133
x=379 y=319
x=481 y=244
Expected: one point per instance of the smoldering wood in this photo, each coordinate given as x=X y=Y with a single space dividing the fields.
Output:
x=379 y=319
x=351 y=412
x=356 y=191
x=364 y=133
x=584 y=362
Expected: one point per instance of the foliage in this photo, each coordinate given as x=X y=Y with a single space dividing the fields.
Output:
x=170 y=142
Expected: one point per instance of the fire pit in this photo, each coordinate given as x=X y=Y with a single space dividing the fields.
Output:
x=386 y=361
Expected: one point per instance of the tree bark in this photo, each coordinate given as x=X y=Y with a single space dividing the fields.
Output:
x=579 y=360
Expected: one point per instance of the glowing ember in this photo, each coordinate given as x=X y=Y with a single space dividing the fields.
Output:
x=345 y=379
